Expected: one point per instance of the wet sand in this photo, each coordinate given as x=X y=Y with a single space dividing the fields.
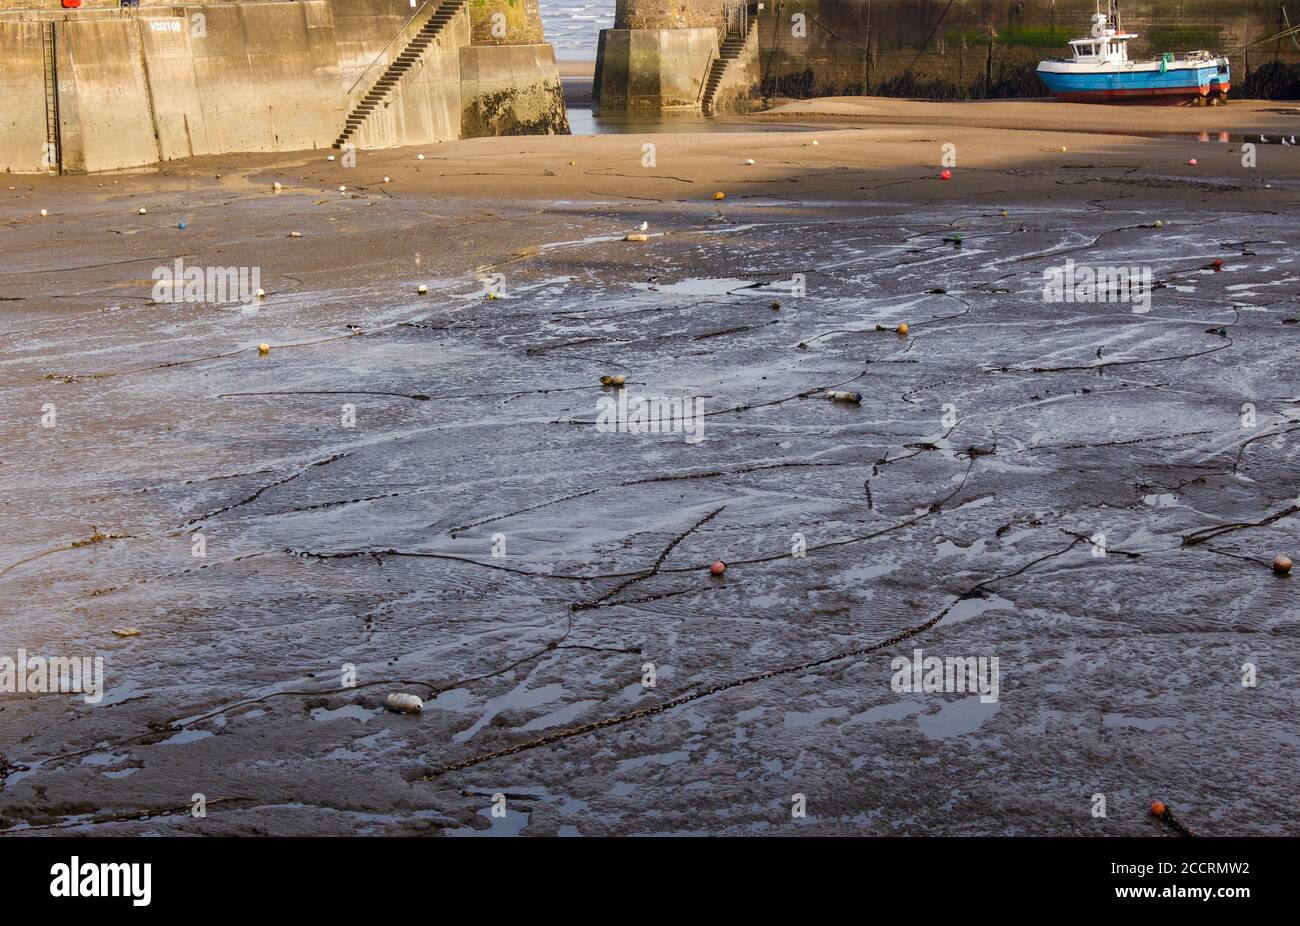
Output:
x=956 y=509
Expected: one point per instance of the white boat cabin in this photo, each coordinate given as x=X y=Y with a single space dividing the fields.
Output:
x=1110 y=47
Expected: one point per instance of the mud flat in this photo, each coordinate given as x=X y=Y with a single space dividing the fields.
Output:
x=957 y=509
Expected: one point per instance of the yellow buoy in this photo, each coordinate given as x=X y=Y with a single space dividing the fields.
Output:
x=264 y=348
x=902 y=329
x=719 y=195
x=619 y=379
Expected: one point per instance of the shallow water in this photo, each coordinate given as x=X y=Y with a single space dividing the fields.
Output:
x=583 y=121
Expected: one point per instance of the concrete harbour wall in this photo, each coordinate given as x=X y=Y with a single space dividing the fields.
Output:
x=923 y=48
x=136 y=87
x=22 y=88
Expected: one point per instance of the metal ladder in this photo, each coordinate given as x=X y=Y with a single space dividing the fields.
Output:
x=53 y=159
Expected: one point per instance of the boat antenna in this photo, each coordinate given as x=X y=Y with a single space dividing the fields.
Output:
x=1114 y=15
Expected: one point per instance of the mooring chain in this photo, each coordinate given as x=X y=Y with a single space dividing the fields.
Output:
x=686 y=698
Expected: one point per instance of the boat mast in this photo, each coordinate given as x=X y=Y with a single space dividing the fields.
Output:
x=1114 y=16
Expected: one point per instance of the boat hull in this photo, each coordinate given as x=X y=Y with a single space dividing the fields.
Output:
x=1172 y=86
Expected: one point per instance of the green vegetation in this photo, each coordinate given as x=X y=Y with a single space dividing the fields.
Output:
x=1183 y=38
x=1037 y=36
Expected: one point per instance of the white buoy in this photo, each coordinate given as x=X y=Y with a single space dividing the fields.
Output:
x=142 y=210
x=404 y=703
x=385 y=180
x=419 y=157
x=330 y=158
x=43 y=212
x=749 y=162
x=343 y=189
x=261 y=294
x=276 y=186
x=422 y=289
x=814 y=142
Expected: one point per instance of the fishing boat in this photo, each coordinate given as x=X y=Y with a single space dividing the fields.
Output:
x=1101 y=71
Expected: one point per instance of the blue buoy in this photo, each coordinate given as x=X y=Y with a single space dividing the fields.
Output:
x=180 y=224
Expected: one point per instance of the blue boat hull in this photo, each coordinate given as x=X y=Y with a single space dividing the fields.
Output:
x=1153 y=86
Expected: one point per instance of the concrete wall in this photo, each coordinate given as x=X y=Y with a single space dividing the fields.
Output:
x=511 y=90
x=426 y=106
x=104 y=112
x=137 y=87
x=651 y=69
x=740 y=86
x=365 y=30
x=267 y=76
x=22 y=88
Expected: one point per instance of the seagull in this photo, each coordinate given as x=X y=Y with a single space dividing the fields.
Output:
x=643 y=226
x=1263 y=140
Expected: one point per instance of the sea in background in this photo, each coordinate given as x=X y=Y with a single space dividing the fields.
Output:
x=573 y=26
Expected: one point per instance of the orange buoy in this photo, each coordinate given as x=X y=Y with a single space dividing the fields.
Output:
x=902 y=329
x=946 y=175
x=718 y=568
x=1282 y=565
x=1157 y=809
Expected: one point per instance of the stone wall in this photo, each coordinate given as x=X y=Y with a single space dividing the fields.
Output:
x=506 y=22
x=925 y=48
x=668 y=14
x=932 y=48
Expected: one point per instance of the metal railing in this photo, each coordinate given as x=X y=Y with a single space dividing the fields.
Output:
x=735 y=20
x=395 y=37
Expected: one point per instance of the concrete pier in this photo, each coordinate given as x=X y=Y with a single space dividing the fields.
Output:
x=102 y=88
x=661 y=55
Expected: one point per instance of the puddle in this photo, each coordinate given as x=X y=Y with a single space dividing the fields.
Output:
x=957 y=718
x=584 y=121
